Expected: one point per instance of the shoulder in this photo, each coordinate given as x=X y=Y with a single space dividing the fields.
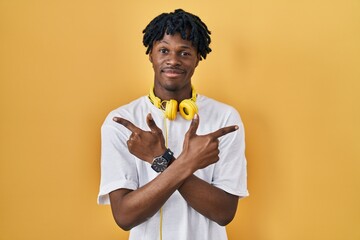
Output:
x=215 y=107
x=129 y=111
x=215 y=114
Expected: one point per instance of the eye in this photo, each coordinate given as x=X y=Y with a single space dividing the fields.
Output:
x=185 y=54
x=163 y=50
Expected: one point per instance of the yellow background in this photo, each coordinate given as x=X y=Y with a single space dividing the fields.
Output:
x=291 y=68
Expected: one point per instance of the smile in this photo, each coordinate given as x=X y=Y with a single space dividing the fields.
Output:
x=172 y=72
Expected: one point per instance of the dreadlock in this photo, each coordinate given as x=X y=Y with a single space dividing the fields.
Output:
x=188 y=25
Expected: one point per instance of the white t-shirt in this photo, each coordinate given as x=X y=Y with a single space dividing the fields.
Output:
x=121 y=169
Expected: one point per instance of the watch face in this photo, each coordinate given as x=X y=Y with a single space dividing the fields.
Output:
x=159 y=164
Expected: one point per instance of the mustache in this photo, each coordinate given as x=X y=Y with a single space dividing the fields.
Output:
x=172 y=69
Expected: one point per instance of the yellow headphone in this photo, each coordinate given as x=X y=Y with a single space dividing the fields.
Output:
x=187 y=107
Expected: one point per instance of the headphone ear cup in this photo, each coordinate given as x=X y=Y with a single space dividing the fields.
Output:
x=171 y=109
x=188 y=109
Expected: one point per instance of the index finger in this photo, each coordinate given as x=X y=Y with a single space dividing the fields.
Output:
x=223 y=131
x=126 y=123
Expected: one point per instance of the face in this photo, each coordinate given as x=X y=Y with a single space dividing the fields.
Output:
x=174 y=61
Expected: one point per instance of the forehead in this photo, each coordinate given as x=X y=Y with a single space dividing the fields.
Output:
x=175 y=41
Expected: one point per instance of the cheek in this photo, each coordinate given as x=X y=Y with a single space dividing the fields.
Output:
x=155 y=65
x=192 y=67
x=155 y=61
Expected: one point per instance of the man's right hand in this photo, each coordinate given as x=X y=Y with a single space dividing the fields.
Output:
x=144 y=144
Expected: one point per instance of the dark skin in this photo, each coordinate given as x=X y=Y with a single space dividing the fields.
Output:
x=174 y=61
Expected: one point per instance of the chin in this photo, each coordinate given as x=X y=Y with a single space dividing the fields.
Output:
x=171 y=85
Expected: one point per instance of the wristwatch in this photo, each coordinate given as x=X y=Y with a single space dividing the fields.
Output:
x=161 y=162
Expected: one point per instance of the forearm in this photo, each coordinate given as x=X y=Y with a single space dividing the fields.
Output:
x=131 y=208
x=210 y=201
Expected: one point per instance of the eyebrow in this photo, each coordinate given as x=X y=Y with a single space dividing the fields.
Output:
x=182 y=46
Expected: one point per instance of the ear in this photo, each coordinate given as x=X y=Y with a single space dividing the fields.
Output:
x=150 y=57
x=198 y=59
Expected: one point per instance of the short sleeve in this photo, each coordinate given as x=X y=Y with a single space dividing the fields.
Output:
x=118 y=168
x=230 y=172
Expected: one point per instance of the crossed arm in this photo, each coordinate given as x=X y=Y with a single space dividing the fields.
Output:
x=132 y=207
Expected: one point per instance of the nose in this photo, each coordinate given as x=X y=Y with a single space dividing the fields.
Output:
x=173 y=60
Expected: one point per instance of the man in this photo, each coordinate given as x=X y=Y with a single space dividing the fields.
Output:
x=173 y=171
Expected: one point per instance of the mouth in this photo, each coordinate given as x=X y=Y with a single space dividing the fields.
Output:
x=172 y=72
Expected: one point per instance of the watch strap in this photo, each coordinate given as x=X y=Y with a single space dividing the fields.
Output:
x=168 y=155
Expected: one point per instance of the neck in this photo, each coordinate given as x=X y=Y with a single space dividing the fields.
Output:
x=167 y=93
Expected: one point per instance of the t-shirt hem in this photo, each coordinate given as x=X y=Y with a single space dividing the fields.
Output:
x=239 y=193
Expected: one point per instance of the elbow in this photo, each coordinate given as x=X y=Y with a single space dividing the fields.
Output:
x=125 y=227
x=122 y=211
x=123 y=224
x=126 y=222
x=227 y=214
x=123 y=220
x=225 y=218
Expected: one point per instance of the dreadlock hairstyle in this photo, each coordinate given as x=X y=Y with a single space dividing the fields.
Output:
x=188 y=25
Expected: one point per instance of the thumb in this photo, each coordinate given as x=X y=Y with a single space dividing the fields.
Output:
x=193 y=126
